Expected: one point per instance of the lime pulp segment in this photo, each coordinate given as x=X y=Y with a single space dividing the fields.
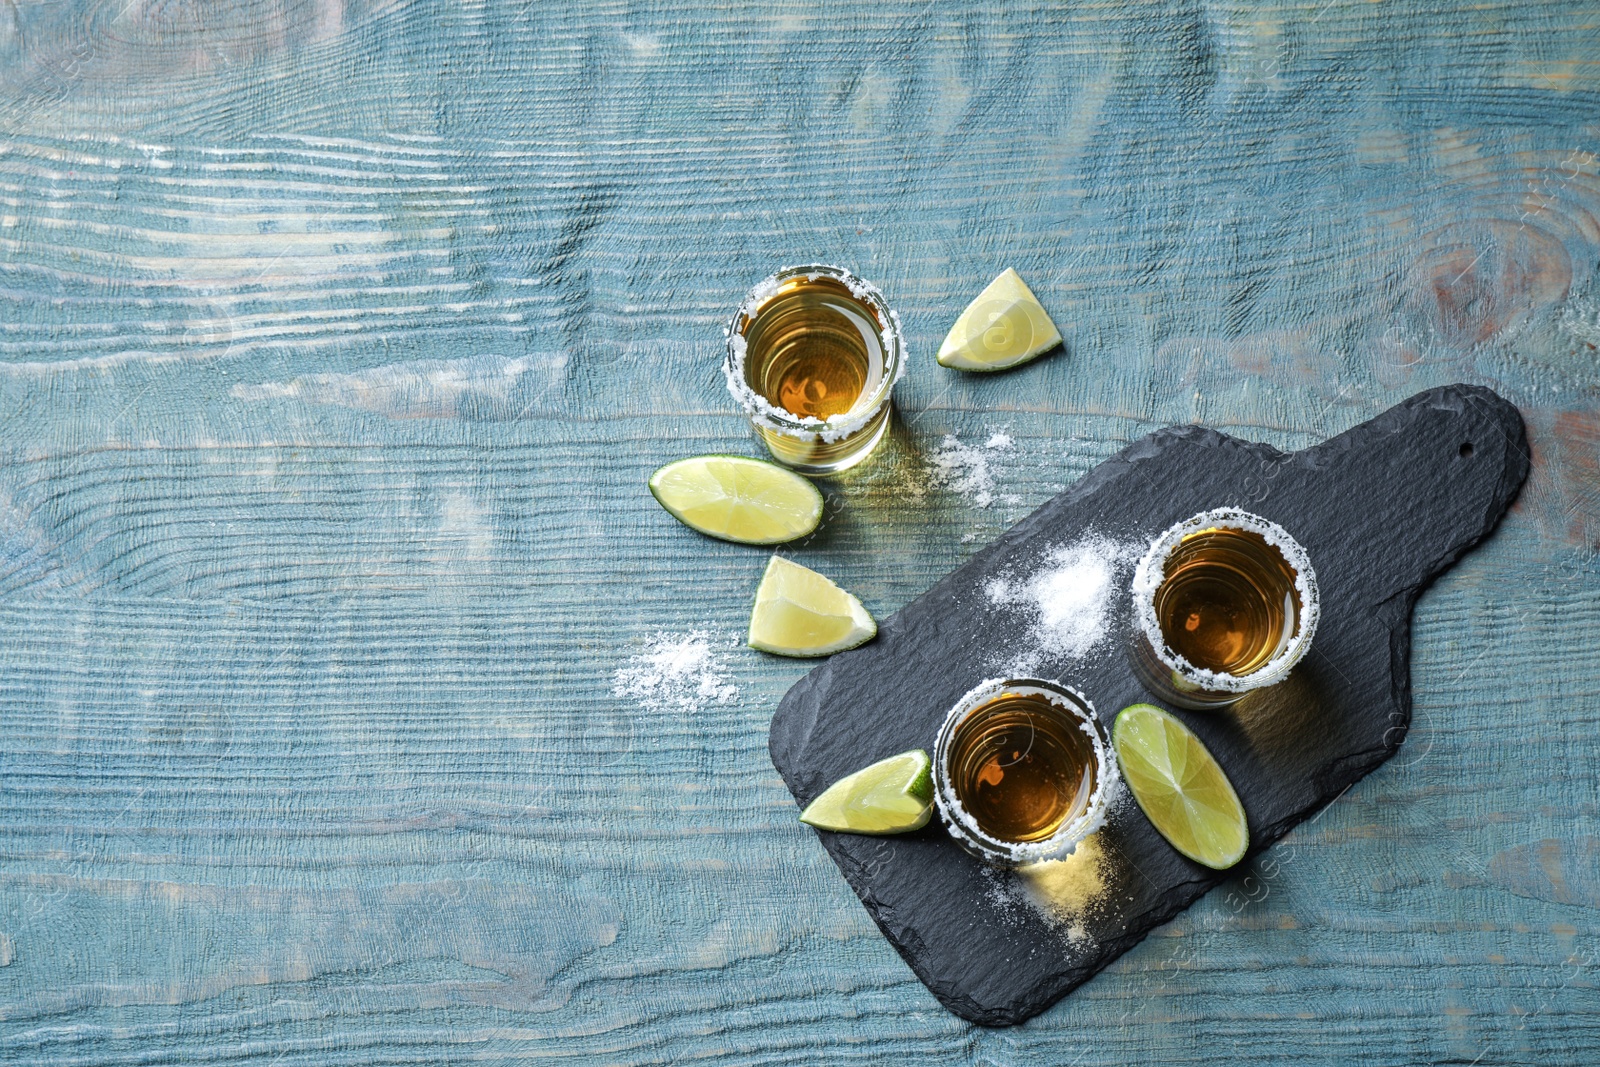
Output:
x=892 y=796
x=1180 y=786
x=1005 y=325
x=798 y=612
x=736 y=498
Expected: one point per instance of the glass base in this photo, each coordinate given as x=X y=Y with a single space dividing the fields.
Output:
x=1168 y=685
x=824 y=457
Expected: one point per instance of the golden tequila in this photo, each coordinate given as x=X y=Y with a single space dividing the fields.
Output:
x=1228 y=601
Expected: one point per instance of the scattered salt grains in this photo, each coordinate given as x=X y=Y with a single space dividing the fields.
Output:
x=675 y=673
x=1070 y=597
x=1001 y=894
x=1067 y=893
x=965 y=469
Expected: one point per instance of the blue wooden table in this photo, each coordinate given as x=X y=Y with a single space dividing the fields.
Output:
x=358 y=705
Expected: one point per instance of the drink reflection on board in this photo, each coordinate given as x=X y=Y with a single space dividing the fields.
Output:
x=813 y=355
x=1225 y=603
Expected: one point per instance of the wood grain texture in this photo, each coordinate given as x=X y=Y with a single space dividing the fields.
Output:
x=337 y=339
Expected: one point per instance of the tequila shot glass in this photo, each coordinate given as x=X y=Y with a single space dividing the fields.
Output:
x=813 y=356
x=1224 y=603
x=1022 y=771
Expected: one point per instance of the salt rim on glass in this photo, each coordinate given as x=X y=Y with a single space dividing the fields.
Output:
x=1150 y=573
x=965 y=829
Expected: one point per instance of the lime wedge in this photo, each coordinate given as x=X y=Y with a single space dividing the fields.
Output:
x=1003 y=327
x=890 y=797
x=798 y=612
x=738 y=499
x=1180 y=787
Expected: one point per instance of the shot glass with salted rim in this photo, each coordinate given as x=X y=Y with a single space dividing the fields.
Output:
x=1224 y=603
x=1022 y=771
x=813 y=356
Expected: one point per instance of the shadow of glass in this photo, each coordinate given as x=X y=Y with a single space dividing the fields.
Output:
x=1284 y=734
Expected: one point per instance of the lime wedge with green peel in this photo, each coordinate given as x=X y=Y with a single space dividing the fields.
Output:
x=1180 y=787
x=798 y=612
x=1003 y=327
x=892 y=796
x=738 y=499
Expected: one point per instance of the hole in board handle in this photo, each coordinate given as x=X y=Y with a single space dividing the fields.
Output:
x=1465 y=451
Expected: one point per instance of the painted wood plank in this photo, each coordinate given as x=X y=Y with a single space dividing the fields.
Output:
x=337 y=339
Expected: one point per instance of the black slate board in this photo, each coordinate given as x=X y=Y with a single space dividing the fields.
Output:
x=1382 y=510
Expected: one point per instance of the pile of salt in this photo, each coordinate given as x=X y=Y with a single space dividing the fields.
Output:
x=676 y=674
x=1070 y=597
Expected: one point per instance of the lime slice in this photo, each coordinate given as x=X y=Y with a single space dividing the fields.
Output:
x=890 y=797
x=1180 y=787
x=1004 y=326
x=798 y=612
x=738 y=499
